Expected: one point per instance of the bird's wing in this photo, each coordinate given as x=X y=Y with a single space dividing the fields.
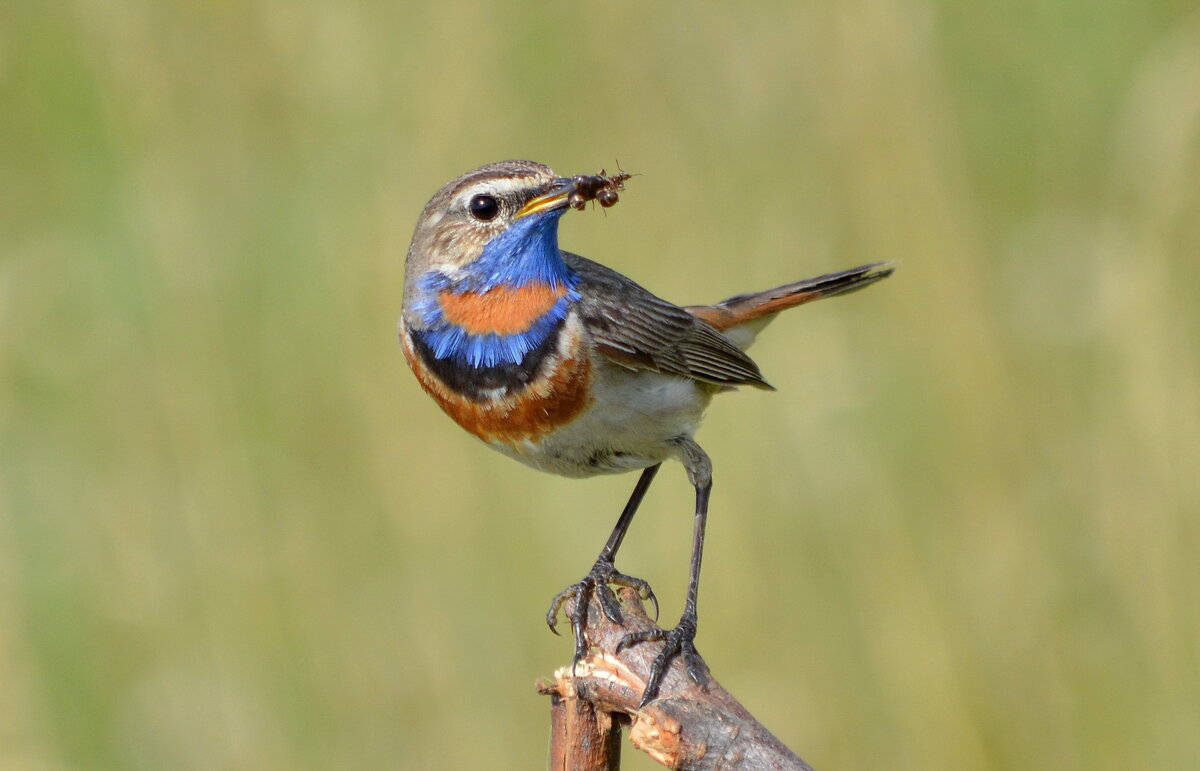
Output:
x=639 y=330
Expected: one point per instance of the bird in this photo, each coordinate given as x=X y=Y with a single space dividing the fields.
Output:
x=570 y=367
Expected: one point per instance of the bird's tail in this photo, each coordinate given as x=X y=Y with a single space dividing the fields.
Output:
x=752 y=311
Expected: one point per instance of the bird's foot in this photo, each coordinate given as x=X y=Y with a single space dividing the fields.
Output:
x=679 y=641
x=599 y=582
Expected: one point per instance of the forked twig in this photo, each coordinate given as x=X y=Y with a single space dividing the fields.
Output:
x=687 y=727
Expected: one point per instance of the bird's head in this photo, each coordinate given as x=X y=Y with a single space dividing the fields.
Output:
x=496 y=224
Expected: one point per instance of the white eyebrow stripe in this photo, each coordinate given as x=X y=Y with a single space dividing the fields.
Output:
x=501 y=186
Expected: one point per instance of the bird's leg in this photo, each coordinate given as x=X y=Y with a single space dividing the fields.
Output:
x=603 y=574
x=680 y=641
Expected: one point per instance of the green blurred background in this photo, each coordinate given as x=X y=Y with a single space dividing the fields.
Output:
x=235 y=535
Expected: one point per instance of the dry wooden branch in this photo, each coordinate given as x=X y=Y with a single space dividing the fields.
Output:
x=687 y=727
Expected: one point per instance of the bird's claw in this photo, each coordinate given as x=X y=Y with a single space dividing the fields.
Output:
x=679 y=641
x=599 y=582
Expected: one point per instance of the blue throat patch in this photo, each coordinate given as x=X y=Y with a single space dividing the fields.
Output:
x=525 y=253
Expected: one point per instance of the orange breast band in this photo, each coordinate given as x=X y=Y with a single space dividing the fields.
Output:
x=549 y=402
x=502 y=310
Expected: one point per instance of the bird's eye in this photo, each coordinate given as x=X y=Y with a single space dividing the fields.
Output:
x=484 y=208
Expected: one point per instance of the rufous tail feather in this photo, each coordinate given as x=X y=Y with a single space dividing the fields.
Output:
x=744 y=308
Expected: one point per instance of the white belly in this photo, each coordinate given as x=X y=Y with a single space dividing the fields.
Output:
x=629 y=425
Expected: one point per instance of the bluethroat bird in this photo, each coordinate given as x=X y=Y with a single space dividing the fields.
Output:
x=569 y=366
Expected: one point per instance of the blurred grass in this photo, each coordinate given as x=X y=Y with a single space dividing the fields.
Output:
x=234 y=534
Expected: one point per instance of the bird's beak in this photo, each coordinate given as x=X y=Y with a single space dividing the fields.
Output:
x=554 y=198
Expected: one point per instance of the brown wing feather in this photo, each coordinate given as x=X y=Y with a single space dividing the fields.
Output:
x=637 y=329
